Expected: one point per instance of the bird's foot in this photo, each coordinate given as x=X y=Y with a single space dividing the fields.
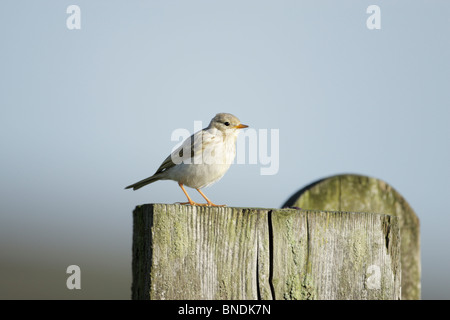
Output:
x=192 y=203
x=210 y=204
x=215 y=205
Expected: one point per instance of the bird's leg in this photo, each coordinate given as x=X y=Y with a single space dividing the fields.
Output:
x=192 y=203
x=208 y=201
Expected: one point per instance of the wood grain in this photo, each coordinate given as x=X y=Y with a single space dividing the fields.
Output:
x=190 y=252
x=358 y=193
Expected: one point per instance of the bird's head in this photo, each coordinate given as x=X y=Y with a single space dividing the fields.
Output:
x=225 y=122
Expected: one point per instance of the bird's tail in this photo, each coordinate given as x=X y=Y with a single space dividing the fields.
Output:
x=144 y=182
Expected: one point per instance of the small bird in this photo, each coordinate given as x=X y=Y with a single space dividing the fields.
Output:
x=202 y=159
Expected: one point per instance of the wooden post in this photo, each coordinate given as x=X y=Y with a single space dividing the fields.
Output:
x=358 y=193
x=190 y=252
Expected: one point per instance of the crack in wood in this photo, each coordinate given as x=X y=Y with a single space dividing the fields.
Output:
x=269 y=220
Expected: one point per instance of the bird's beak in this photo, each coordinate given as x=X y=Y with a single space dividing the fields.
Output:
x=241 y=126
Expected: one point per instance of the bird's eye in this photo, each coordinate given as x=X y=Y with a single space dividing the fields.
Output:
x=226 y=123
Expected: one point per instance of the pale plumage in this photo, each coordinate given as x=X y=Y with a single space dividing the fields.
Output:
x=202 y=159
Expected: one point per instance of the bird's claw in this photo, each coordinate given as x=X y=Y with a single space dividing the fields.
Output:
x=202 y=204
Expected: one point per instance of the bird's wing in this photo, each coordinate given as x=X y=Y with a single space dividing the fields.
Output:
x=184 y=153
x=167 y=164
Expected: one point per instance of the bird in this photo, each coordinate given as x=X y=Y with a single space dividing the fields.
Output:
x=202 y=159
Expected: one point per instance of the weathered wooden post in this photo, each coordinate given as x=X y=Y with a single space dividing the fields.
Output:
x=358 y=193
x=190 y=252
x=335 y=255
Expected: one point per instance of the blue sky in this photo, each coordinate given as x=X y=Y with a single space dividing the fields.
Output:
x=86 y=112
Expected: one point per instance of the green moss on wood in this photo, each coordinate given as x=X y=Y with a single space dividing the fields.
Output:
x=356 y=193
x=244 y=253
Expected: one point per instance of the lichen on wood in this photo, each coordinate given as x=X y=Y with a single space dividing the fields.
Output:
x=357 y=193
x=190 y=252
